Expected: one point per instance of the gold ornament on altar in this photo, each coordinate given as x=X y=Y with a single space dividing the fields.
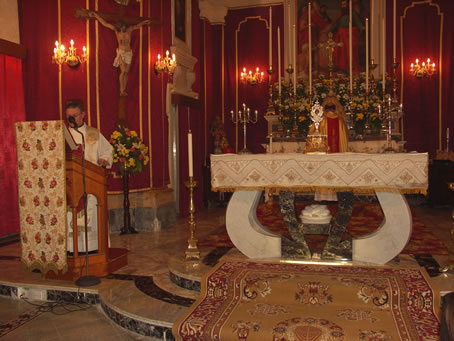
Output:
x=316 y=143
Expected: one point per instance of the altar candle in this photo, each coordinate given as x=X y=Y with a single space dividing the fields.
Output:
x=289 y=36
x=271 y=143
x=371 y=29
x=310 y=46
x=350 y=49
x=279 y=58
x=190 y=164
x=367 y=55
x=294 y=60
x=383 y=55
x=271 y=39
x=394 y=30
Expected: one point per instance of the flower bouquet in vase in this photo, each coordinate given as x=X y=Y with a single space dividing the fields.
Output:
x=287 y=119
x=131 y=155
x=303 y=117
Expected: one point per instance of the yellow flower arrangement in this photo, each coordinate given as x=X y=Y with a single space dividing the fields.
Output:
x=130 y=153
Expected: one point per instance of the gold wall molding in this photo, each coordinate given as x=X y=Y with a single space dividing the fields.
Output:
x=237 y=31
x=440 y=65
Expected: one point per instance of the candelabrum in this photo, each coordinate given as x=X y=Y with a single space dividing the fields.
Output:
x=422 y=70
x=252 y=78
x=192 y=252
x=349 y=116
x=71 y=58
x=390 y=113
x=244 y=117
x=165 y=64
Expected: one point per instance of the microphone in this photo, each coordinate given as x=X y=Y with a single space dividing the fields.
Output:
x=72 y=120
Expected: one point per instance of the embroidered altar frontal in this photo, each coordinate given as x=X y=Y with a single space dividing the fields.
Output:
x=42 y=194
x=358 y=172
x=282 y=301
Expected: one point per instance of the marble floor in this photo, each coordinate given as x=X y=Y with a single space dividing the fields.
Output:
x=140 y=301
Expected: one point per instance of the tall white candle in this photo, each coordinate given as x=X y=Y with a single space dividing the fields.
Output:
x=279 y=58
x=350 y=48
x=394 y=30
x=310 y=45
x=294 y=60
x=372 y=29
x=289 y=36
x=271 y=39
x=190 y=164
x=383 y=54
x=367 y=55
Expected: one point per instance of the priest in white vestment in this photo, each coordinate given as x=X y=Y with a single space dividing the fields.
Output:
x=98 y=151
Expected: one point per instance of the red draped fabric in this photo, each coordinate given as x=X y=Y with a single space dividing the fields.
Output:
x=12 y=109
x=333 y=134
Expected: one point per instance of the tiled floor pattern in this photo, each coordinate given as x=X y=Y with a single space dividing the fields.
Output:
x=125 y=296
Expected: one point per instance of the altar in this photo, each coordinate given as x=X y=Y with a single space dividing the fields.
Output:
x=389 y=176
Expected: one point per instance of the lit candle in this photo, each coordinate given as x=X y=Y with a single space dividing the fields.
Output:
x=367 y=55
x=271 y=39
x=350 y=49
x=310 y=47
x=279 y=58
x=372 y=29
x=383 y=55
x=294 y=60
x=394 y=30
x=191 y=170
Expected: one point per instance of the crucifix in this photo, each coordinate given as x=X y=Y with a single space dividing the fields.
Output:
x=123 y=26
x=330 y=45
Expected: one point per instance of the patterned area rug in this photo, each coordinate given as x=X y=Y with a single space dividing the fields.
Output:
x=282 y=301
x=366 y=218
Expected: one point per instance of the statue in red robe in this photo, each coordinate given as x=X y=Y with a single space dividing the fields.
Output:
x=333 y=124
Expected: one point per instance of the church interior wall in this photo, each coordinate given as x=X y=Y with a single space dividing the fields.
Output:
x=220 y=52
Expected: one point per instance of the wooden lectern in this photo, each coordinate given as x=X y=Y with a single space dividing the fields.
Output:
x=105 y=260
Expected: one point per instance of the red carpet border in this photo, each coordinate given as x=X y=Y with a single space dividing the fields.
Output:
x=282 y=301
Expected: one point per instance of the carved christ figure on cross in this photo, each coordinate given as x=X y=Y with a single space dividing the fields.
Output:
x=330 y=44
x=123 y=33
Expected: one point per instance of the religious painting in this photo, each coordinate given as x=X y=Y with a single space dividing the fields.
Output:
x=180 y=19
x=330 y=20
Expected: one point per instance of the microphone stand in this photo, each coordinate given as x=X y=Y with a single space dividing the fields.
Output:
x=85 y=281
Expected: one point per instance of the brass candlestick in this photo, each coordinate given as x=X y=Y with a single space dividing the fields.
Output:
x=244 y=117
x=192 y=252
x=372 y=83
x=270 y=110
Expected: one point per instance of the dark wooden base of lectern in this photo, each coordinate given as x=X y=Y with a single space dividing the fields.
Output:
x=98 y=265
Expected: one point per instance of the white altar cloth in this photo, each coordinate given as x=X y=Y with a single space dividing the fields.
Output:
x=359 y=172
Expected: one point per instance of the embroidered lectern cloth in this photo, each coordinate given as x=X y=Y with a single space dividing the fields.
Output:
x=42 y=194
x=358 y=172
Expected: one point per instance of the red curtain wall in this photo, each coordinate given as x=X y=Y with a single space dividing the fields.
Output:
x=252 y=52
x=12 y=110
x=96 y=82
